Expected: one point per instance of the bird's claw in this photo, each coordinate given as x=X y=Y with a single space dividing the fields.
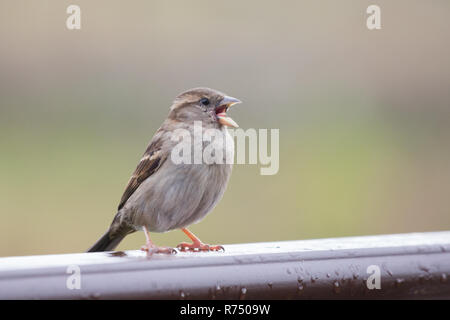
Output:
x=197 y=247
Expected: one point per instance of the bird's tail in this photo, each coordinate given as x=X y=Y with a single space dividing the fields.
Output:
x=107 y=242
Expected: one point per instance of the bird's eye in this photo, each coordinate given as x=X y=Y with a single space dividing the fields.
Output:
x=204 y=101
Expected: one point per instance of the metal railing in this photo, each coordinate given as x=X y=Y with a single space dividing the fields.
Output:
x=415 y=265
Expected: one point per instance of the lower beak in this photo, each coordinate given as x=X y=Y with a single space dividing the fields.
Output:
x=222 y=117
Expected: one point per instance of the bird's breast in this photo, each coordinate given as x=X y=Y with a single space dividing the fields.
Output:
x=178 y=195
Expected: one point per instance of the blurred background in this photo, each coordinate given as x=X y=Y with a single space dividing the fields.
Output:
x=364 y=116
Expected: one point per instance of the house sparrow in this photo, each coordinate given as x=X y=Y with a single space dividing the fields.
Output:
x=162 y=195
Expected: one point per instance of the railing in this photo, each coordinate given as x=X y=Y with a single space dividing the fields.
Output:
x=415 y=265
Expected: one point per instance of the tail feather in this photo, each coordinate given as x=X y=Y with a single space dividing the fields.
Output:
x=107 y=242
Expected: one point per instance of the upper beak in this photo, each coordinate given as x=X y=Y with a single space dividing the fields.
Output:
x=221 y=111
x=229 y=101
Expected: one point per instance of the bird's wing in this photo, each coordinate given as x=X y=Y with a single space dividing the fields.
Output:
x=152 y=159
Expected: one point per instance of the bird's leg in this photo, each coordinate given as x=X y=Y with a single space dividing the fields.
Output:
x=151 y=248
x=197 y=244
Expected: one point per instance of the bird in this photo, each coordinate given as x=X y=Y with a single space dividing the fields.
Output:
x=164 y=195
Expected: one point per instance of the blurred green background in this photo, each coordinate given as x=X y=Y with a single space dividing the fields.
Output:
x=364 y=116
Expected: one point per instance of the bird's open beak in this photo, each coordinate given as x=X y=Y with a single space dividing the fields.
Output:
x=221 y=111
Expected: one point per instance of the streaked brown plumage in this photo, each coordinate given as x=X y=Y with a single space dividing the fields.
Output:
x=161 y=195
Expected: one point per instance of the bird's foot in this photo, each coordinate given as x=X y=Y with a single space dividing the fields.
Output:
x=151 y=249
x=198 y=246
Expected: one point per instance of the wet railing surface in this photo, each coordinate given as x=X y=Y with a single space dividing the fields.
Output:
x=415 y=265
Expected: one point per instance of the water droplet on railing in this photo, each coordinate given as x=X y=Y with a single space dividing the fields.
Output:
x=424 y=268
x=399 y=281
x=421 y=278
x=95 y=296
x=336 y=287
x=243 y=293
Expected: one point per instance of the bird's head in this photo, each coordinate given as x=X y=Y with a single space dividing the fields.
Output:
x=203 y=104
